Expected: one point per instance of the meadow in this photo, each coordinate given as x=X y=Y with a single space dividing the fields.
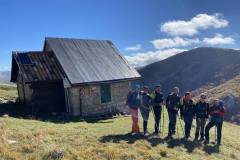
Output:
x=52 y=138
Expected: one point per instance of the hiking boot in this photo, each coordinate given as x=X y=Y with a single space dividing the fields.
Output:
x=218 y=143
x=206 y=141
x=186 y=138
x=134 y=133
x=146 y=134
x=168 y=137
x=156 y=134
x=195 y=139
x=202 y=139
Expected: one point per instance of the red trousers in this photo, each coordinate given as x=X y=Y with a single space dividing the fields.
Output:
x=134 y=114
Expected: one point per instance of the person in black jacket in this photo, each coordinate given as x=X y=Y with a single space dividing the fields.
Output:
x=201 y=113
x=157 y=102
x=173 y=105
x=187 y=111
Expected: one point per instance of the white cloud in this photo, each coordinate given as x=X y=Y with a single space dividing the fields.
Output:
x=192 y=27
x=134 y=48
x=219 y=39
x=142 y=59
x=174 y=42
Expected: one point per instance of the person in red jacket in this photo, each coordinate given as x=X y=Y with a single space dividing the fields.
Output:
x=216 y=112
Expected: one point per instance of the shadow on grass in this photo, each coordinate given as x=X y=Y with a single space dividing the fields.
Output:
x=18 y=110
x=171 y=143
x=130 y=139
x=120 y=137
x=211 y=149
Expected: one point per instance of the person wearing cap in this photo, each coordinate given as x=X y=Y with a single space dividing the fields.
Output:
x=133 y=102
x=173 y=105
x=201 y=113
x=216 y=112
x=145 y=108
x=157 y=102
x=187 y=111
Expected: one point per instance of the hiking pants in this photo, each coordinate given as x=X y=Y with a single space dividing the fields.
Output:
x=172 y=116
x=201 y=122
x=145 y=115
x=188 y=118
x=219 y=130
x=134 y=114
x=157 y=116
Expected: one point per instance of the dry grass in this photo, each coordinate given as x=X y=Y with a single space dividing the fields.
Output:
x=103 y=139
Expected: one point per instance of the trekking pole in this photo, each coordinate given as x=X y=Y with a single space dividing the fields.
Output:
x=163 y=119
x=181 y=124
x=215 y=134
x=154 y=116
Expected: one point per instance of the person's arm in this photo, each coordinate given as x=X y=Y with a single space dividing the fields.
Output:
x=162 y=100
x=194 y=109
x=128 y=98
x=208 y=110
x=181 y=106
x=221 y=111
x=167 y=101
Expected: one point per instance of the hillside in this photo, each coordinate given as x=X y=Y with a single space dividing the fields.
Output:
x=230 y=93
x=5 y=77
x=193 y=69
x=58 y=138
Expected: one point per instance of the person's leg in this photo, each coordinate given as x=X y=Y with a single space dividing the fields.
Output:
x=174 y=121
x=198 y=122
x=219 y=133
x=208 y=127
x=185 y=126
x=188 y=125
x=147 y=117
x=170 y=118
x=157 y=115
x=203 y=123
x=134 y=114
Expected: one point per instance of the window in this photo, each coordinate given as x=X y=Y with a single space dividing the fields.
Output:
x=105 y=93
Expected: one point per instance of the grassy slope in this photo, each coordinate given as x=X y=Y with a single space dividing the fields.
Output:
x=105 y=139
x=7 y=92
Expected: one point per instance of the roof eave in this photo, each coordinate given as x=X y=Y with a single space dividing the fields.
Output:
x=107 y=81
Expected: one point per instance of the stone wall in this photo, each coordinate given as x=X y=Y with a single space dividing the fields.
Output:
x=89 y=98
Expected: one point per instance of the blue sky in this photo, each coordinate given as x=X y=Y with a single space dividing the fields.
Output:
x=143 y=30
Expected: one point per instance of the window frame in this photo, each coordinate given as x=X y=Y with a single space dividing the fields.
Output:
x=104 y=86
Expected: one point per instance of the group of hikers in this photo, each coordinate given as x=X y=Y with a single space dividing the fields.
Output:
x=182 y=108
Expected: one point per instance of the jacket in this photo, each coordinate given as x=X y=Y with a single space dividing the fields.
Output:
x=156 y=98
x=133 y=100
x=187 y=108
x=173 y=102
x=202 y=110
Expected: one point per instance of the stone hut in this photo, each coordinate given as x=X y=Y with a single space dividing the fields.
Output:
x=77 y=76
